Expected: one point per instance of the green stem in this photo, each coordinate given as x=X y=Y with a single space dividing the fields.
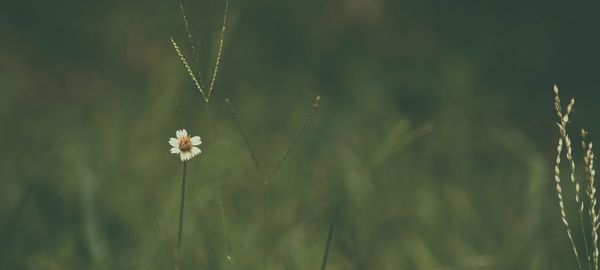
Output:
x=225 y=231
x=181 y=205
x=587 y=252
x=327 y=246
x=210 y=131
x=265 y=201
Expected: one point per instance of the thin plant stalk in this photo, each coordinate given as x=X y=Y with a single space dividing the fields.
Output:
x=591 y=192
x=190 y=40
x=196 y=78
x=571 y=161
x=564 y=119
x=584 y=235
x=259 y=169
x=210 y=129
x=327 y=246
x=189 y=69
x=225 y=230
x=307 y=118
x=219 y=51
x=181 y=204
x=267 y=180
x=244 y=137
x=265 y=229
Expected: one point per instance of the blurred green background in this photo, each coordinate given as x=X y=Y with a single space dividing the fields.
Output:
x=434 y=137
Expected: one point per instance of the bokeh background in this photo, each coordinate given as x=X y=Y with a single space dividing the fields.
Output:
x=432 y=147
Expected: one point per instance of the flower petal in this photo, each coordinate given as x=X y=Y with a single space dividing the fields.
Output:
x=196 y=140
x=181 y=133
x=175 y=150
x=185 y=156
x=174 y=142
x=195 y=150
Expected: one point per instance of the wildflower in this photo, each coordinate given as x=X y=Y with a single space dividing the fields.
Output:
x=184 y=145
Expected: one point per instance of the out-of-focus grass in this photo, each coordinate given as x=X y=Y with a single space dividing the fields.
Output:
x=434 y=137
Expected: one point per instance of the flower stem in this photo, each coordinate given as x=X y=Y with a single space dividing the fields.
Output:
x=181 y=205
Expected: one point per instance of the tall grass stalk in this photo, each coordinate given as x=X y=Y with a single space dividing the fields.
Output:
x=225 y=230
x=259 y=169
x=244 y=137
x=198 y=81
x=592 y=210
x=305 y=121
x=190 y=40
x=588 y=158
x=564 y=119
x=219 y=51
x=580 y=204
x=189 y=69
x=267 y=182
x=267 y=179
x=327 y=245
x=197 y=78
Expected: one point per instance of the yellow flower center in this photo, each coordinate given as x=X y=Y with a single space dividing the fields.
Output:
x=185 y=144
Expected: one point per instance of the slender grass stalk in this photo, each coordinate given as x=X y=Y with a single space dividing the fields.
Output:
x=259 y=169
x=584 y=235
x=189 y=69
x=267 y=180
x=581 y=206
x=210 y=129
x=225 y=230
x=197 y=79
x=571 y=161
x=244 y=137
x=307 y=118
x=181 y=204
x=327 y=246
x=190 y=40
x=220 y=51
x=591 y=192
x=265 y=223
x=564 y=119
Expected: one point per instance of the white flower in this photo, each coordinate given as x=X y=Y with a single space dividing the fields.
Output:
x=185 y=145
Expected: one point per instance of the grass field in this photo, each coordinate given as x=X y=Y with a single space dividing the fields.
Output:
x=346 y=134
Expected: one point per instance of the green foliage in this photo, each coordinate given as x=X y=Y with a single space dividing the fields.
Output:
x=432 y=143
